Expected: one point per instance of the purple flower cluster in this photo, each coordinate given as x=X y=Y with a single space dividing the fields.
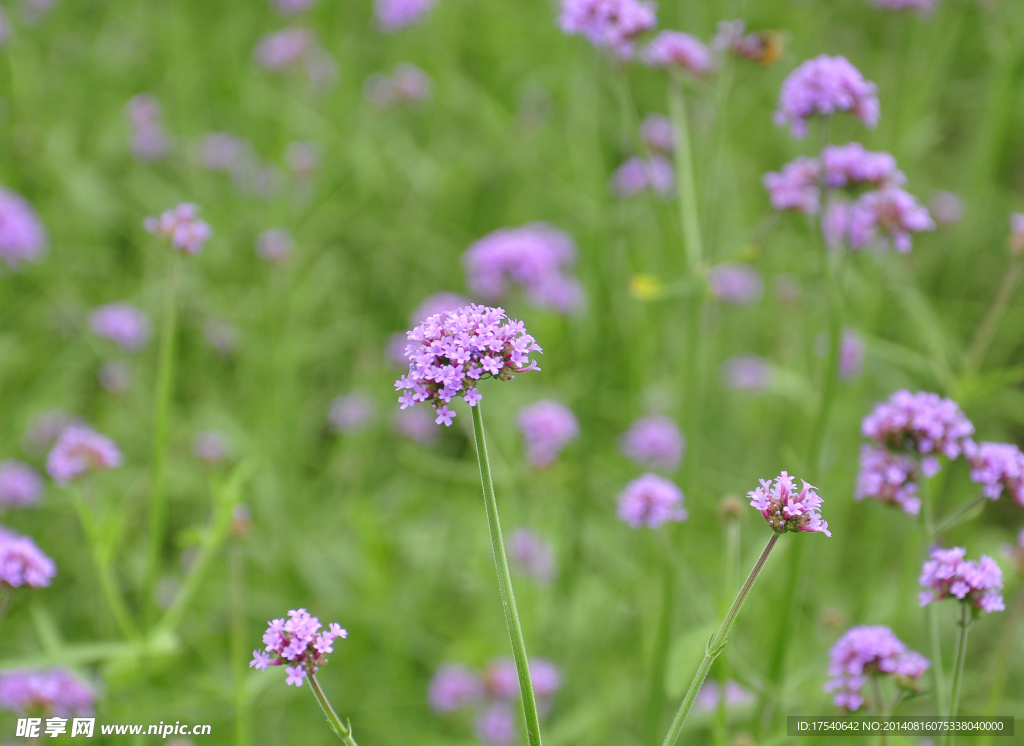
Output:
x=853 y=165
x=920 y=422
x=284 y=49
x=298 y=641
x=535 y=257
x=998 y=467
x=532 y=554
x=55 y=691
x=492 y=695
x=654 y=441
x=612 y=24
x=449 y=353
x=796 y=186
x=824 y=86
x=121 y=323
x=275 y=245
x=658 y=133
x=222 y=151
x=888 y=477
x=1016 y=234
x=636 y=174
x=408 y=85
x=149 y=141
x=889 y=214
x=20 y=485
x=946 y=207
x=747 y=373
x=947 y=574
x=210 y=447
x=851 y=355
x=350 y=413
x=547 y=427
x=787 y=509
x=435 y=304
x=23 y=563
x=869 y=651
x=710 y=695
x=180 y=226
x=739 y=284
x=395 y=15
x=650 y=501
x=22 y=237
x=674 y=49
x=80 y=450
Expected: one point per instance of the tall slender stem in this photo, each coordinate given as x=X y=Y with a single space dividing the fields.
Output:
x=343 y=730
x=716 y=645
x=957 y=516
x=508 y=599
x=958 y=671
x=934 y=638
x=161 y=430
x=661 y=644
x=236 y=591
x=987 y=328
x=730 y=563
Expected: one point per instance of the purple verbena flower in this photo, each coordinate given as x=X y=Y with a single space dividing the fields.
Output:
x=786 y=509
x=658 y=133
x=121 y=323
x=851 y=355
x=1016 y=233
x=222 y=151
x=636 y=174
x=674 y=49
x=302 y=158
x=350 y=413
x=285 y=48
x=547 y=427
x=870 y=651
x=210 y=446
x=395 y=15
x=416 y=424
x=824 y=86
x=496 y=726
x=450 y=353
x=890 y=211
x=947 y=574
x=115 y=377
x=947 y=208
x=20 y=485
x=611 y=24
x=80 y=450
x=762 y=47
x=853 y=165
x=501 y=679
x=180 y=226
x=535 y=257
x=796 y=186
x=710 y=695
x=545 y=677
x=454 y=687
x=921 y=422
x=22 y=236
x=149 y=141
x=889 y=478
x=54 y=691
x=739 y=284
x=22 y=563
x=532 y=554
x=275 y=245
x=298 y=641
x=998 y=468
x=747 y=373
x=650 y=501
x=654 y=441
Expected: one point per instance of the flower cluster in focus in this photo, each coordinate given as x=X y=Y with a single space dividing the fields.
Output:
x=788 y=509
x=299 y=642
x=180 y=226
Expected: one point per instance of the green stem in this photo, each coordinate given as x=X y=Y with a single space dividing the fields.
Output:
x=957 y=516
x=716 y=645
x=508 y=599
x=161 y=430
x=730 y=563
x=108 y=584
x=343 y=730
x=961 y=656
x=876 y=688
x=934 y=638
x=661 y=644
x=835 y=331
x=987 y=328
x=236 y=590
x=1003 y=658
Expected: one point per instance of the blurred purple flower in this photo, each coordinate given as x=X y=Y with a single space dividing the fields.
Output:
x=115 y=377
x=868 y=651
x=998 y=467
x=532 y=554
x=54 y=691
x=654 y=441
x=298 y=641
x=302 y=158
x=796 y=186
x=635 y=175
x=547 y=427
x=408 y=85
x=658 y=133
x=496 y=726
x=762 y=47
x=180 y=226
x=736 y=283
x=416 y=423
x=285 y=48
x=545 y=677
x=889 y=478
x=350 y=413
x=501 y=679
x=20 y=485
x=947 y=208
x=536 y=257
x=747 y=373
x=22 y=236
x=121 y=323
x=650 y=501
x=851 y=355
x=80 y=450
x=854 y=165
x=612 y=24
x=46 y=427
x=275 y=245
x=210 y=446
x=1016 y=233
x=787 y=289
x=787 y=509
x=395 y=15
x=222 y=151
x=891 y=211
x=921 y=422
x=22 y=563
x=947 y=574
x=454 y=687
x=824 y=86
x=435 y=304
x=149 y=141
x=711 y=693
x=676 y=49
x=222 y=335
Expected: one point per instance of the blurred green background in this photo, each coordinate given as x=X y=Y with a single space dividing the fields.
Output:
x=388 y=536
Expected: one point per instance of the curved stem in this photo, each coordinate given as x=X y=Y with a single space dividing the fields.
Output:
x=934 y=638
x=343 y=730
x=957 y=516
x=716 y=645
x=508 y=599
x=161 y=429
x=958 y=671
x=661 y=644
x=990 y=322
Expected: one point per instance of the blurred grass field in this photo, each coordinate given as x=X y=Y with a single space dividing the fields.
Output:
x=387 y=536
